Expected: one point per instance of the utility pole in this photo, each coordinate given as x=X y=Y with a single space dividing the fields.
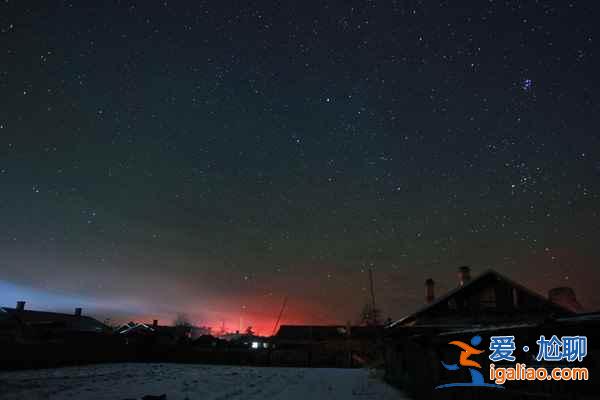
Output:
x=279 y=317
x=373 y=308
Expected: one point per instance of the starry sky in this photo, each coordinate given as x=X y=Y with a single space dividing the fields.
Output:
x=214 y=157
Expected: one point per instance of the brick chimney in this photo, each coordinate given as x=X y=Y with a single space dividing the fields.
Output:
x=565 y=296
x=155 y=324
x=429 y=290
x=78 y=312
x=464 y=275
x=20 y=305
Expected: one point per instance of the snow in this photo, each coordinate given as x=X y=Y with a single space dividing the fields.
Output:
x=193 y=381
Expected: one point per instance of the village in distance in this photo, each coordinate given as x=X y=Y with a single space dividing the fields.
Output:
x=392 y=359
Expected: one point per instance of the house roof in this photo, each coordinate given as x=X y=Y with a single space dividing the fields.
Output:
x=131 y=328
x=71 y=322
x=485 y=275
x=6 y=319
x=310 y=332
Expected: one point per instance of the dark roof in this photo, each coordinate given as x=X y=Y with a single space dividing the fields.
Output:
x=68 y=322
x=310 y=332
x=132 y=328
x=4 y=315
x=487 y=274
x=7 y=320
x=590 y=316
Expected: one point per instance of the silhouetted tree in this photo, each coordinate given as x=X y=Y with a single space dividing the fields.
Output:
x=182 y=320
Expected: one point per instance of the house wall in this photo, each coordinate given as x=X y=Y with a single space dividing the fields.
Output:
x=413 y=362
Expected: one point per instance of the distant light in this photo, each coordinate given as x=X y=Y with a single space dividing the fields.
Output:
x=255 y=345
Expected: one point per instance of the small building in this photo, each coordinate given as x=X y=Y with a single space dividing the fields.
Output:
x=327 y=345
x=290 y=335
x=246 y=340
x=199 y=331
x=141 y=333
x=209 y=341
x=21 y=325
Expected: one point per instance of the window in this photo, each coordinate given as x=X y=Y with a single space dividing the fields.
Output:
x=488 y=298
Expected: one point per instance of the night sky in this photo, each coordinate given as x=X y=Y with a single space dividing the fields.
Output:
x=215 y=157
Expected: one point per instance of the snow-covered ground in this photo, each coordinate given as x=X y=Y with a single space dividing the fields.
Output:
x=186 y=381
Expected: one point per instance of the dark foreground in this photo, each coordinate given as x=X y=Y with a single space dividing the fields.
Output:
x=186 y=381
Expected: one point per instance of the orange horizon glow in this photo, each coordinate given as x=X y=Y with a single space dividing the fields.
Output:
x=262 y=323
x=261 y=326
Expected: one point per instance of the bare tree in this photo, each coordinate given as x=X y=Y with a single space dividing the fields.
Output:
x=182 y=320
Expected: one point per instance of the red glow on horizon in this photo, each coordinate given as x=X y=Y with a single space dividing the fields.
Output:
x=261 y=326
x=262 y=323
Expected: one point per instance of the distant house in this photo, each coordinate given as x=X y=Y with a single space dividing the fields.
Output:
x=326 y=345
x=198 y=331
x=244 y=340
x=310 y=334
x=132 y=328
x=491 y=298
x=137 y=332
x=303 y=334
x=22 y=325
x=231 y=336
x=209 y=341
